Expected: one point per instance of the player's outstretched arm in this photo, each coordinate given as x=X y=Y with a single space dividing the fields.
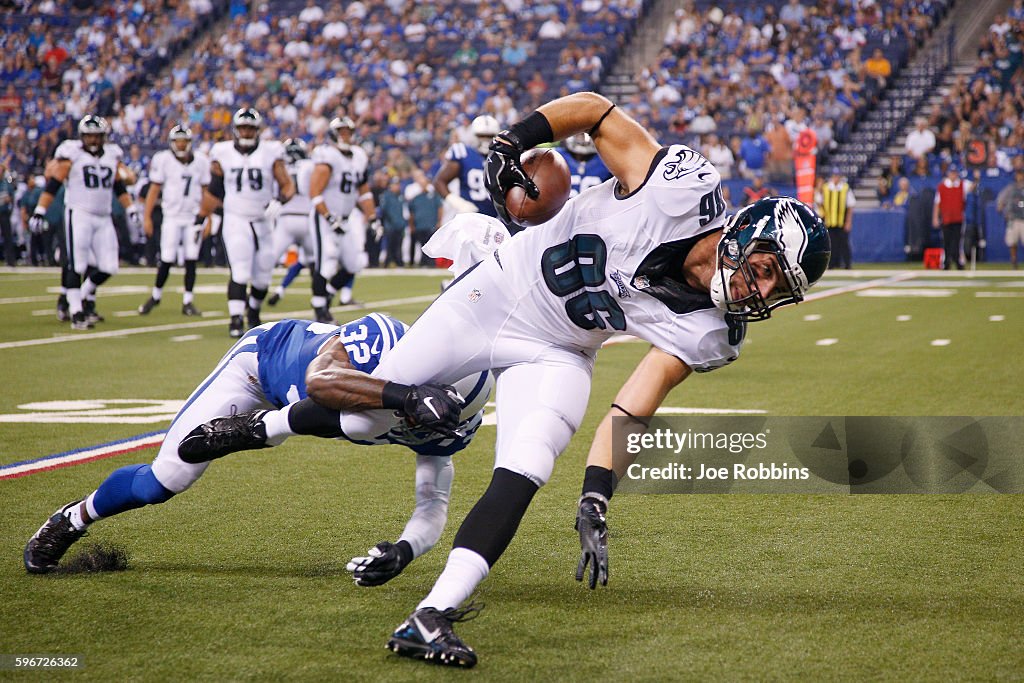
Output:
x=641 y=395
x=332 y=382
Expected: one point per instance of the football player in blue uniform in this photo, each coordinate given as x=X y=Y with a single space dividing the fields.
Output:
x=585 y=167
x=276 y=365
x=466 y=162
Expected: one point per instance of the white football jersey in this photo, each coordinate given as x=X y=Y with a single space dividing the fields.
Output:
x=300 y=171
x=609 y=263
x=90 y=183
x=348 y=173
x=182 y=183
x=248 y=178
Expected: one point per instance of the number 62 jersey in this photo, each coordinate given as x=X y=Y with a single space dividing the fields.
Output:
x=612 y=263
x=90 y=182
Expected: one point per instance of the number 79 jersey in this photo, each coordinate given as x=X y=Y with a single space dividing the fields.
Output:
x=609 y=263
x=248 y=178
x=90 y=182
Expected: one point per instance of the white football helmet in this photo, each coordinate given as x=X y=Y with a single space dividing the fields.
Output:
x=484 y=128
x=93 y=130
x=180 y=141
x=581 y=145
x=245 y=126
x=342 y=131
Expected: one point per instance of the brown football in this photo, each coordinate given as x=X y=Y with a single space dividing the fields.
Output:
x=548 y=169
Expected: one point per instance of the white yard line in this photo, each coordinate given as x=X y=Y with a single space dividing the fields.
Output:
x=86 y=336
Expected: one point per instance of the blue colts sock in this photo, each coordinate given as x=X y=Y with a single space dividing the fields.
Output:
x=128 y=488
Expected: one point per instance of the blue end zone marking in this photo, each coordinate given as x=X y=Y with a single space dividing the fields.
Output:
x=81 y=450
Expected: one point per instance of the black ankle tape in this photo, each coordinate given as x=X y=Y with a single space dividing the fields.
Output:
x=599 y=479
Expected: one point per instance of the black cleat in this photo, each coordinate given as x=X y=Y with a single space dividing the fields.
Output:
x=63 y=313
x=190 y=310
x=44 y=550
x=273 y=299
x=323 y=315
x=150 y=304
x=223 y=435
x=252 y=318
x=427 y=634
x=236 y=327
x=89 y=307
x=79 y=321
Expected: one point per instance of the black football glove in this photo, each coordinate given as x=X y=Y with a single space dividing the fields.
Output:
x=593 y=528
x=384 y=562
x=503 y=171
x=436 y=407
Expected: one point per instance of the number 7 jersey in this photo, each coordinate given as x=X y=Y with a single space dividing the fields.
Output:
x=609 y=263
x=181 y=183
x=90 y=182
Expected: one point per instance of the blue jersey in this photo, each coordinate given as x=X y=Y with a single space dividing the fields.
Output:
x=585 y=174
x=287 y=348
x=471 y=177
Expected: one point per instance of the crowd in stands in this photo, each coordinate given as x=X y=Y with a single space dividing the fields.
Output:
x=754 y=75
x=978 y=126
x=62 y=60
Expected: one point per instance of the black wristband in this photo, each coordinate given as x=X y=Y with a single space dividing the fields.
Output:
x=404 y=552
x=532 y=131
x=393 y=395
x=599 y=479
x=216 y=186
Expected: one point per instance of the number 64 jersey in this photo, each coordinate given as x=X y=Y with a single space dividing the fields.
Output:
x=612 y=263
x=90 y=182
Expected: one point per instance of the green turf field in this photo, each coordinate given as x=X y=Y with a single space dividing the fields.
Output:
x=242 y=577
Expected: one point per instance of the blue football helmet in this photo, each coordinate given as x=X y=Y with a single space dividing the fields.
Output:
x=784 y=227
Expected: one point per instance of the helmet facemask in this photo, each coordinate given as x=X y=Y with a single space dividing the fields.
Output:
x=785 y=230
x=246 y=124
x=92 y=131
x=180 y=142
x=342 y=131
x=581 y=146
x=484 y=128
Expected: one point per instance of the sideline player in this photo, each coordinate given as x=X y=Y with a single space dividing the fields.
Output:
x=339 y=182
x=585 y=166
x=93 y=171
x=650 y=253
x=270 y=367
x=466 y=163
x=177 y=178
x=243 y=173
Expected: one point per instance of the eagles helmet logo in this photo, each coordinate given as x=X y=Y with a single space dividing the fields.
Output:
x=245 y=126
x=180 y=141
x=784 y=227
x=93 y=130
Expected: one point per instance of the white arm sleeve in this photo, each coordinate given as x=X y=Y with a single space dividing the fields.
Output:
x=433 y=486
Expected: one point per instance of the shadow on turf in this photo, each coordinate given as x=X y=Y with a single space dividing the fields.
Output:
x=324 y=570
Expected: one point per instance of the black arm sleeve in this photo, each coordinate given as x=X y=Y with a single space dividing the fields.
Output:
x=52 y=186
x=216 y=186
x=119 y=188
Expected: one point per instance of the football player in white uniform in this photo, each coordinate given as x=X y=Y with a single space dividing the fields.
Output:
x=93 y=172
x=177 y=178
x=340 y=181
x=293 y=223
x=274 y=365
x=650 y=253
x=243 y=173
